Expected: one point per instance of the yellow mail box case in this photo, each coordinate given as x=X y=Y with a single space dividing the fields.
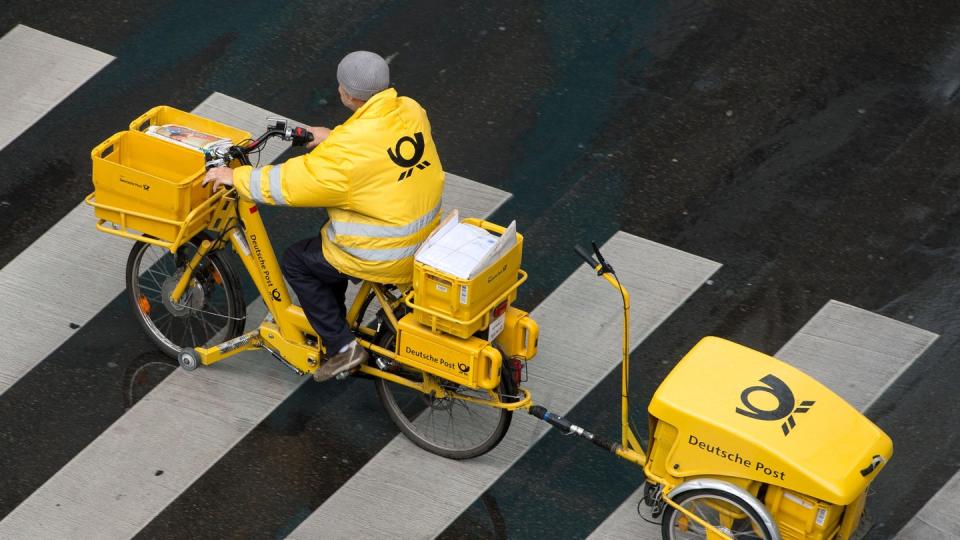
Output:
x=151 y=186
x=156 y=182
x=459 y=306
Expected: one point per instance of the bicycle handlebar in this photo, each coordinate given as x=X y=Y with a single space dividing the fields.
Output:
x=601 y=267
x=298 y=136
x=587 y=257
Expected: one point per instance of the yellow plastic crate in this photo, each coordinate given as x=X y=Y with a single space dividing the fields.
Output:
x=148 y=188
x=164 y=114
x=148 y=185
x=446 y=303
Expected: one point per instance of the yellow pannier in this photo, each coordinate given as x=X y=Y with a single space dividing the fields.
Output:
x=472 y=362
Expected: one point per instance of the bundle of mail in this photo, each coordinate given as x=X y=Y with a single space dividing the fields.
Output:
x=464 y=250
x=189 y=138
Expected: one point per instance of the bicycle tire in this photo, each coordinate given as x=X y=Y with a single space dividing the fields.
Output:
x=408 y=416
x=211 y=311
x=704 y=503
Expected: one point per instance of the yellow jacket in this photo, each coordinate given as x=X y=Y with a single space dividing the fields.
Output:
x=379 y=176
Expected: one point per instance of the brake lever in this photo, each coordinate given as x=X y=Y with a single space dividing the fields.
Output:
x=279 y=123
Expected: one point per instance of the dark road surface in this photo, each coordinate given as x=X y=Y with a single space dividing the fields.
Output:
x=807 y=146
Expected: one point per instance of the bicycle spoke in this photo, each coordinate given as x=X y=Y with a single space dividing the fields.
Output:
x=216 y=311
x=143 y=287
x=207 y=324
x=154 y=279
x=193 y=337
x=155 y=272
x=697 y=510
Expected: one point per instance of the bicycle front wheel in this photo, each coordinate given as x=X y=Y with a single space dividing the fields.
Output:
x=210 y=311
x=449 y=427
x=725 y=511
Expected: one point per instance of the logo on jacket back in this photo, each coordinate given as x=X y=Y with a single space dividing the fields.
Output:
x=397 y=154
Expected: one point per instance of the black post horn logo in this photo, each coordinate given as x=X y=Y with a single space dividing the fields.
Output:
x=785 y=403
x=396 y=155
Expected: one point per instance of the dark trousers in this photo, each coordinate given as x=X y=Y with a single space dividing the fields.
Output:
x=321 y=289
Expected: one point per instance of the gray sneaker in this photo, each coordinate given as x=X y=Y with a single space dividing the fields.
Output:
x=340 y=362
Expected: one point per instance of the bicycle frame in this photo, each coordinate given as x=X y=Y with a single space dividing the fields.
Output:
x=289 y=336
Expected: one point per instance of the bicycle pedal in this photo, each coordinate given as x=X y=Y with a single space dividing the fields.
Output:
x=386 y=364
x=344 y=374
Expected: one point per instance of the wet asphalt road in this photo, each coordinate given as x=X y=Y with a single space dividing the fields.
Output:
x=809 y=147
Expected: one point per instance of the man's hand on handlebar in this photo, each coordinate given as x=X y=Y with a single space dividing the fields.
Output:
x=220 y=176
x=319 y=135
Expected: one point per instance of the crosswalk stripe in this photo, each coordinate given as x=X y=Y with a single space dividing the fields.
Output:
x=939 y=519
x=54 y=286
x=579 y=345
x=125 y=477
x=39 y=71
x=71 y=272
x=854 y=352
x=67 y=275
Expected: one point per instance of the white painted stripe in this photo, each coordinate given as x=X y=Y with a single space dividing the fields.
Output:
x=71 y=272
x=579 y=346
x=38 y=71
x=185 y=425
x=67 y=275
x=854 y=352
x=939 y=519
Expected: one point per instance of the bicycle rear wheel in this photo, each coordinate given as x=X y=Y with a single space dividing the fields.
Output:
x=210 y=311
x=448 y=427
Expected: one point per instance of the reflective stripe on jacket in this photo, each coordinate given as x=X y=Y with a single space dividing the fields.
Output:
x=379 y=176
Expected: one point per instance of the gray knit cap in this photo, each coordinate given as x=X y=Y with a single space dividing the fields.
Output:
x=363 y=73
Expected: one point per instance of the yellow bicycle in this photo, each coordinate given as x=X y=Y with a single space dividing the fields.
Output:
x=743 y=445
x=447 y=355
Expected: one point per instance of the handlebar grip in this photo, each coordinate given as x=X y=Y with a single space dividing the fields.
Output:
x=586 y=256
x=301 y=136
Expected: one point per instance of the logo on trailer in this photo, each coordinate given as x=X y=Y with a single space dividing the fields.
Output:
x=464 y=368
x=785 y=403
x=396 y=154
